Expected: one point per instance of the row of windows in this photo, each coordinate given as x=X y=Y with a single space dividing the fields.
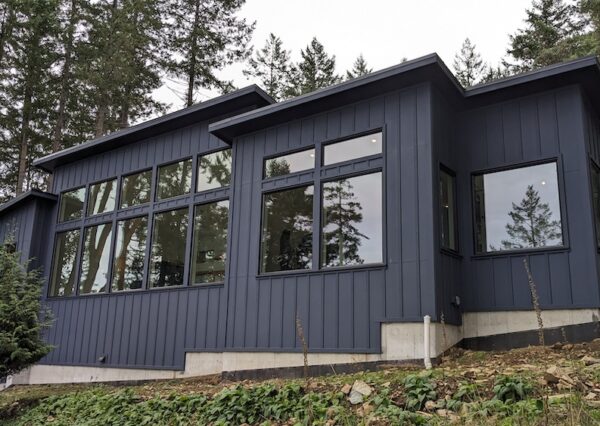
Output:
x=514 y=209
x=214 y=171
x=128 y=265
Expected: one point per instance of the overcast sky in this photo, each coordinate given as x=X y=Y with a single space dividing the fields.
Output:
x=383 y=31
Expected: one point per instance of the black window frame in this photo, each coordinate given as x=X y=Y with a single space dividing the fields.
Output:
x=312 y=147
x=447 y=170
x=156 y=178
x=88 y=195
x=83 y=208
x=195 y=173
x=120 y=180
x=557 y=160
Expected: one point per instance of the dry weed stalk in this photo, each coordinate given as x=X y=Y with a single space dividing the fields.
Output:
x=300 y=332
x=536 y=302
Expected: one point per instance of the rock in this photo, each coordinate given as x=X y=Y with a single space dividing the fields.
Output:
x=590 y=395
x=424 y=414
x=355 y=397
x=568 y=347
x=556 y=346
x=346 y=388
x=448 y=414
x=430 y=405
x=595 y=404
x=588 y=360
x=362 y=388
x=367 y=408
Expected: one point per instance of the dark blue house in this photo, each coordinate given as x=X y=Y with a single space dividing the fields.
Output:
x=218 y=238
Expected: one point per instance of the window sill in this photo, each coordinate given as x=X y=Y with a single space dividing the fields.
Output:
x=451 y=253
x=522 y=252
x=136 y=291
x=302 y=272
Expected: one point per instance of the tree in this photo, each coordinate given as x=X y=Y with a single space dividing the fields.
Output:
x=22 y=319
x=272 y=67
x=315 y=71
x=532 y=224
x=468 y=65
x=359 y=68
x=205 y=36
x=549 y=24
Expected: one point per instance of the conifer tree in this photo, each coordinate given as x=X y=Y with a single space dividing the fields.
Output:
x=532 y=223
x=206 y=36
x=272 y=67
x=315 y=71
x=359 y=68
x=468 y=65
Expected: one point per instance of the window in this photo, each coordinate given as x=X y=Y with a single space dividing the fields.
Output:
x=130 y=253
x=64 y=274
x=287 y=220
x=350 y=149
x=448 y=216
x=102 y=197
x=214 y=170
x=290 y=163
x=71 y=205
x=352 y=216
x=95 y=259
x=168 y=248
x=517 y=209
x=210 y=242
x=135 y=189
x=174 y=179
x=596 y=199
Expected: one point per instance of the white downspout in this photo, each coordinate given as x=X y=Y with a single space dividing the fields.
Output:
x=426 y=347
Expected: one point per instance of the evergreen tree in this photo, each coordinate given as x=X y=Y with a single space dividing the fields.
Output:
x=272 y=67
x=532 y=224
x=359 y=68
x=206 y=36
x=491 y=73
x=468 y=65
x=315 y=71
x=548 y=25
x=21 y=318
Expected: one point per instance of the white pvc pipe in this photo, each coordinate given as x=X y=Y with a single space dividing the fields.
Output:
x=426 y=347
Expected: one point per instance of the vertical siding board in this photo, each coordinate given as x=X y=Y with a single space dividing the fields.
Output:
x=191 y=322
x=118 y=330
x=264 y=315
x=171 y=327
x=346 y=310
x=153 y=325
x=377 y=299
x=201 y=325
x=559 y=276
x=145 y=332
x=540 y=271
x=511 y=132
x=494 y=135
x=361 y=307
x=135 y=330
x=530 y=130
x=502 y=282
x=289 y=313
x=303 y=309
x=548 y=125
x=317 y=321
x=330 y=314
x=276 y=309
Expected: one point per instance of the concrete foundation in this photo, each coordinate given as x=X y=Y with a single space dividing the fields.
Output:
x=399 y=342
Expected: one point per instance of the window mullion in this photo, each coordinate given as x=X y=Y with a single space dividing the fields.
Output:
x=317 y=206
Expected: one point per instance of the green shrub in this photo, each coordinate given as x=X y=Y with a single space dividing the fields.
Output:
x=419 y=390
x=511 y=388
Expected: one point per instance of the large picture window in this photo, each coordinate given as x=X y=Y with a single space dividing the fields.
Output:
x=102 y=197
x=71 y=205
x=168 y=248
x=448 y=217
x=214 y=170
x=517 y=209
x=135 y=189
x=352 y=216
x=287 y=220
x=290 y=163
x=95 y=259
x=130 y=253
x=174 y=179
x=64 y=274
x=210 y=242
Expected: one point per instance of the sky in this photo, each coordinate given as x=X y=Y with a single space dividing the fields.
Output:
x=383 y=31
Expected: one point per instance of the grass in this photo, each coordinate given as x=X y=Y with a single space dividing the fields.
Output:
x=478 y=388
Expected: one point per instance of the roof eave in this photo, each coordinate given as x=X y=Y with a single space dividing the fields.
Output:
x=19 y=199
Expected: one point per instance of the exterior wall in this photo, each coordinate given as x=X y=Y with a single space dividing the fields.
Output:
x=538 y=127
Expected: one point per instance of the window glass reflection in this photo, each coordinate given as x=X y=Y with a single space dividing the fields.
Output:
x=290 y=163
x=352 y=148
x=135 y=189
x=71 y=205
x=102 y=197
x=448 y=211
x=168 y=248
x=214 y=170
x=517 y=209
x=130 y=252
x=286 y=242
x=64 y=274
x=210 y=242
x=174 y=179
x=352 y=219
x=596 y=199
x=95 y=259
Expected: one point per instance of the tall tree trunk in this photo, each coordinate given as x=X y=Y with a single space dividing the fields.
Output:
x=24 y=138
x=193 y=52
x=101 y=117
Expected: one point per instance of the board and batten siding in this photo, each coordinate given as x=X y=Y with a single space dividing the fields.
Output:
x=538 y=127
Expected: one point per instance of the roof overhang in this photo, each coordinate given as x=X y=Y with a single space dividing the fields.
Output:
x=242 y=99
x=428 y=68
x=26 y=196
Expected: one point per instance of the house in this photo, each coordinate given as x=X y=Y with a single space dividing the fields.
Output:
x=229 y=236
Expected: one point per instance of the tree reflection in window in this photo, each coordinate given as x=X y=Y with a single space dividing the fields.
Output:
x=135 y=189
x=102 y=197
x=174 y=179
x=290 y=163
x=63 y=270
x=214 y=170
x=95 y=259
x=286 y=242
x=130 y=252
x=210 y=242
x=352 y=221
x=168 y=248
x=71 y=205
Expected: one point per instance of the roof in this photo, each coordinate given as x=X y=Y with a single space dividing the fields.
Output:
x=26 y=196
x=248 y=97
x=585 y=71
